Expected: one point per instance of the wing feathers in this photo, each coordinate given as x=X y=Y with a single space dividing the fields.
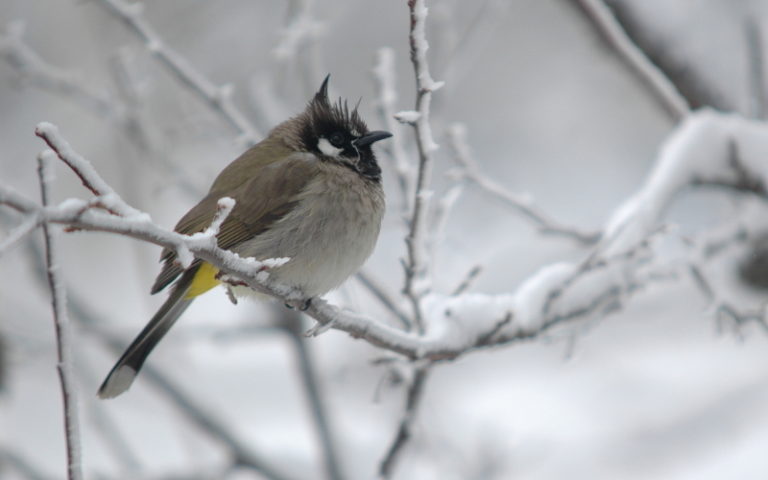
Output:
x=259 y=202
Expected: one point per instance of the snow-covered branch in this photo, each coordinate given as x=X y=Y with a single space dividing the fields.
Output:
x=61 y=327
x=700 y=152
x=416 y=270
x=707 y=149
x=218 y=97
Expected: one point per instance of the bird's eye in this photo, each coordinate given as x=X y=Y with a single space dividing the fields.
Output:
x=337 y=139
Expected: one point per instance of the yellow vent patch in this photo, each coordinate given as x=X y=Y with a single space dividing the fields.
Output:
x=205 y=279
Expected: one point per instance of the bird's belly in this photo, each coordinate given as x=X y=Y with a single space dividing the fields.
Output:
x=327 y=238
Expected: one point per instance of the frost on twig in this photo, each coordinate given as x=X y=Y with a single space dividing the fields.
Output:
x=416 y=269
x=62 y=329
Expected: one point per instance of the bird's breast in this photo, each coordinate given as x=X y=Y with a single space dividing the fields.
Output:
x=328 y=235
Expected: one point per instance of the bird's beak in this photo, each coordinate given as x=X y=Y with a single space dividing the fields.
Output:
x=371 y=137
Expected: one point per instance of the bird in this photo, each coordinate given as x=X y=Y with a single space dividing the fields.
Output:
x=310 y=191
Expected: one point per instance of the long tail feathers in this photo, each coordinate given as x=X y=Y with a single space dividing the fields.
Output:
x=124 y=372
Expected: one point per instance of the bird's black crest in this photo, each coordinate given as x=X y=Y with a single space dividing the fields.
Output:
x=324 y=119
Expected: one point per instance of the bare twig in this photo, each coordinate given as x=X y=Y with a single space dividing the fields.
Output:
x=292 y=324
x=62 y=328
x=656 y=82
x=416 y=269
x=219 y=98
x=405 y=428
x=518 y=202
x=468 y=279
x=379 y=292
x=30 y=223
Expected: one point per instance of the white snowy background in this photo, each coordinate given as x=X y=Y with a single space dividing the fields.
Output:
x=657 y=390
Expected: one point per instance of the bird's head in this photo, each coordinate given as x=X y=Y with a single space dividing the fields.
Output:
x=334 y=133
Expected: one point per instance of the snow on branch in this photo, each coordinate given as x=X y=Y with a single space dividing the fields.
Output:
x=61 y=327
x=416 y=281
x=709 y=148
x=218 y=97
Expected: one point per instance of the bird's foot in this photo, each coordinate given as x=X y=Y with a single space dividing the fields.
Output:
x=303 y=306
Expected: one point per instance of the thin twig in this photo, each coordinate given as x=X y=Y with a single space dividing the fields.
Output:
x=62 y=328
x=416 y=268
x=331 y=459
x=405 y=428
x=30 y=223
x=656 y=82
x=470 y=277
x=219 y=98
x=518 y=202
x=379 y=292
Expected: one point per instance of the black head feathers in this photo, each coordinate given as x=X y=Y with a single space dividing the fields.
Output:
x=327 y=118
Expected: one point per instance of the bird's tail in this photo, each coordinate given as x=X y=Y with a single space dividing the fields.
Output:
x=124 y=372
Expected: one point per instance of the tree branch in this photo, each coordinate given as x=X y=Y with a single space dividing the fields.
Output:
x=62 y=329
x=416 y=269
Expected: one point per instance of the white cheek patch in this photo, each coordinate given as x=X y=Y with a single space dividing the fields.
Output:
x=325 y=146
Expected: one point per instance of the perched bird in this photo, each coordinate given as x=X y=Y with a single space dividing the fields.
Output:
x=311 y=191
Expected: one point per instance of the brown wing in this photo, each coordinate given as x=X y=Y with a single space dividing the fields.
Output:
x=259 y=202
